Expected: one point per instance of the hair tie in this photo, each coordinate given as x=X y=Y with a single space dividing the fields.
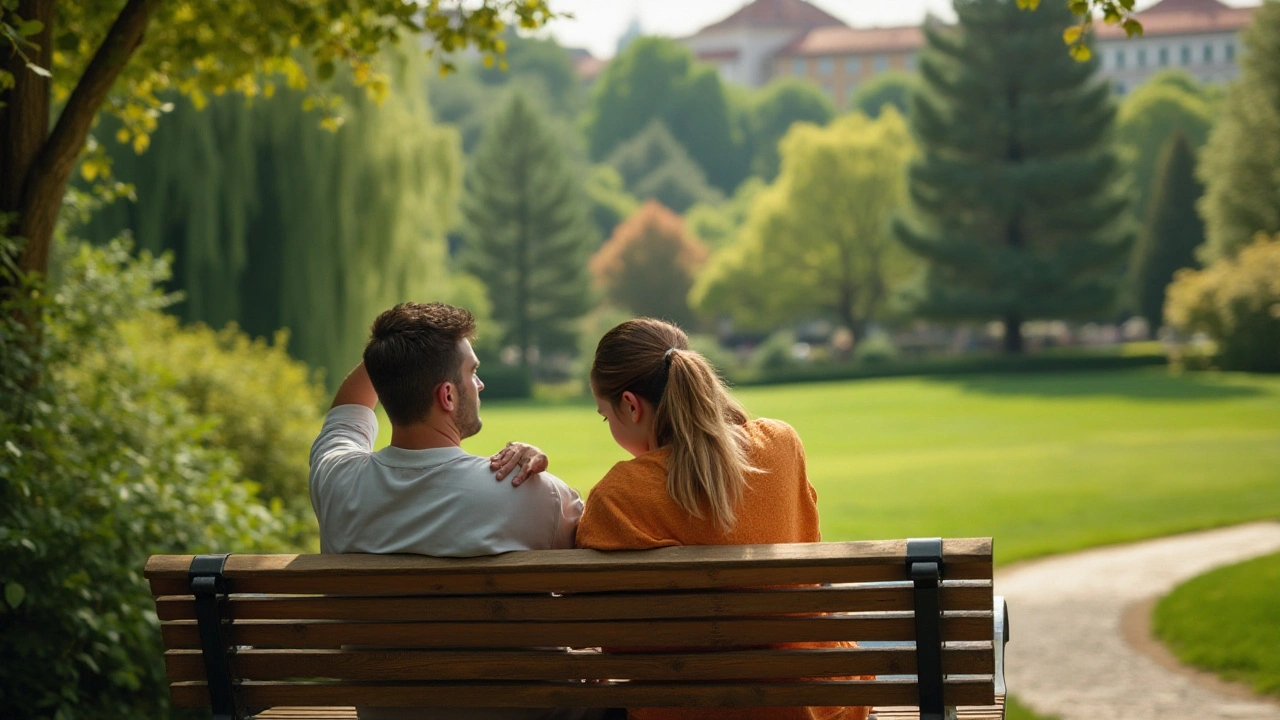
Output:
x=667 y=356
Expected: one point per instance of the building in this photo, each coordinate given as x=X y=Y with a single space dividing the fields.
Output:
x=839 y=59
x=1200 y=37
x=769 y=39
x=743 y=45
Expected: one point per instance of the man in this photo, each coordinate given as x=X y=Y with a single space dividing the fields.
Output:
x=424 y=494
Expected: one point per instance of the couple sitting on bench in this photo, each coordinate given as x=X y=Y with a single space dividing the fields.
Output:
x=702 y=473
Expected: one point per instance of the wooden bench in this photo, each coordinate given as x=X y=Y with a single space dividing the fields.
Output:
x=250 y=632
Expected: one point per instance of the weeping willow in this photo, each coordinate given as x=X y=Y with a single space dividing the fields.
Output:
x=275 y=222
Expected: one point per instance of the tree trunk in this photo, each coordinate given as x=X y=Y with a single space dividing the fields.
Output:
x=36 y=167
x=1013 y=334
x=24 y=120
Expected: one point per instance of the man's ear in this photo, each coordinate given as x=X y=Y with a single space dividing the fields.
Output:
x=631 y=406
x=447 y=396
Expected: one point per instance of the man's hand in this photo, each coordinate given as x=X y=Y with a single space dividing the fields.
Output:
x=528 y=459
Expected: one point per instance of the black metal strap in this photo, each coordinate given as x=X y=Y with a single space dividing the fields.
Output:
x=925 y=567
x=210 y=588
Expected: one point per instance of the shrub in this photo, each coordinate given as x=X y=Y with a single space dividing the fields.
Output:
x=101 y=464
x=1236 y=302
x=876 y=348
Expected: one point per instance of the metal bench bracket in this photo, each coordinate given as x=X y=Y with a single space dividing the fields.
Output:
x=925 y=568
x=210 y=589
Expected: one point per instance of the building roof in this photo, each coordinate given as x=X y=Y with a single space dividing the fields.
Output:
x=725 y=54
x=856 y=41
x=589 y=67
x=1183 y=17
x=776 y=13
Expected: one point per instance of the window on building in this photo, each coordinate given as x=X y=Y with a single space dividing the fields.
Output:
x=852 y=66
x=1231 y=52
x=1119 y=59
x=1208 y=53
x=1164 y=56
x=826 y=66
x=1186 y=55
x=798 y=67
x=1142 y=57
x=882 y=63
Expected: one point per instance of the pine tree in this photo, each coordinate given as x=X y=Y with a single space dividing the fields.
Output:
x=1242 y=185
x=528 y=230
x=1172 y=230
x=1017 y=207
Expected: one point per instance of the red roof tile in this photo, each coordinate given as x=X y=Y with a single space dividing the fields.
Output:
x=1184 y=17
x=777 y=13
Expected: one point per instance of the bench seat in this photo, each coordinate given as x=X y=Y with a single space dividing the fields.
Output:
x=309 y=636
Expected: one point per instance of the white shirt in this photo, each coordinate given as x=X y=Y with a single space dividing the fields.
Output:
x=442 y=501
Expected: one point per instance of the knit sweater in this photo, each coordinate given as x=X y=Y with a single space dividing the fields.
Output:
x=630 y=510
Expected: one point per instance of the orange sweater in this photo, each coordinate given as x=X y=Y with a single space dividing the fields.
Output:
x=630 y=510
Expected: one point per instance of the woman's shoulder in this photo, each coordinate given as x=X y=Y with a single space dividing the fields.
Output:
x=632 y=474
x=770 y=429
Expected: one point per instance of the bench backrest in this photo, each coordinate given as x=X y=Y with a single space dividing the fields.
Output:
x=715 y=626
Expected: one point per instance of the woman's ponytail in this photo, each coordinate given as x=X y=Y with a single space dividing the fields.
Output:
x=694 y=413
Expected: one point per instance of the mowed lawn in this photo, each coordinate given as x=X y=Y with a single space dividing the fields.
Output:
x=1043 y=463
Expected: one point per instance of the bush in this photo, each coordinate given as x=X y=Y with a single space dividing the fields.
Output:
x=505 y=382
x=1236 y=302
x=101 y=464
x=777 y=353
x=265 y=407
x=877 y=348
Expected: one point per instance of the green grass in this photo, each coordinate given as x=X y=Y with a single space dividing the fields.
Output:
x=1043 y=463
x=1013 y=710
x=1228 y=621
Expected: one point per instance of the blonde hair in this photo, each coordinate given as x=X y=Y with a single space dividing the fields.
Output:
x=694 y=413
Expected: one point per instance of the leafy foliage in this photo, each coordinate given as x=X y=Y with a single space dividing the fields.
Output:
x=101 y=464
x=528 y=230
x=274 y=222
x=654 y=165
x=1236 y=302
x=649 y=265
x=1242 y=187
x=1017 y=204
x=657 y=78
x=1172 y=230
x=717 y=224
x=888 y=88
x=775 y=109
x=818 y=241
x=610 y=201
x=1171 y=102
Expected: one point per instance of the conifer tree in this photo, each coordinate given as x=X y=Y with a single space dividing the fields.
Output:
x=1017 y=208
x=1172 y=230
x=528 y=230
x=1242 y=184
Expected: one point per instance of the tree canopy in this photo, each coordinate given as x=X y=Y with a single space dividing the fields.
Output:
x=1171 y=231
x=649 y=265
x=774 y=110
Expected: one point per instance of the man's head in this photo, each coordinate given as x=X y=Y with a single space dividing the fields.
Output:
x=420 y=359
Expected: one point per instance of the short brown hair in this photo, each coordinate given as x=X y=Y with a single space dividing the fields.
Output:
x=413 y=347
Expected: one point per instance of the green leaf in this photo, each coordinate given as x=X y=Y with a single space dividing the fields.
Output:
x=14 y=594
x=325 y=70
x=1071 y=34
x=27 y=28
x=39 y=70
x=8 y=444
x=1132 y=27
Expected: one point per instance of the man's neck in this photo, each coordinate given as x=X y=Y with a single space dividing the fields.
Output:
x=424 y=436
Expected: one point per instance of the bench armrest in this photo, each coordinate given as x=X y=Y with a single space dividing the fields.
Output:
x=1001 y=636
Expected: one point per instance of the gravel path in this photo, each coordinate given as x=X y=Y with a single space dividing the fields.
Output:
x=1067 y=655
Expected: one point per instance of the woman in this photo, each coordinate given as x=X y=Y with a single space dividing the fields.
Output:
x=702 y=473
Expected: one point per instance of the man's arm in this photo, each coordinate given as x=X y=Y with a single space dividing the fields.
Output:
x=356 y=389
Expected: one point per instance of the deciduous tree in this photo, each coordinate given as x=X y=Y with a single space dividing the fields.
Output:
x=649 y=265
x=1171 y=231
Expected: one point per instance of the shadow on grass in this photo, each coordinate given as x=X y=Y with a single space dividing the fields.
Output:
x=1142 y=385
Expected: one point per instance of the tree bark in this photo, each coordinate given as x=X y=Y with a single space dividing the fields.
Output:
x=44 y=181
x=1013 y=334
x=24 y=121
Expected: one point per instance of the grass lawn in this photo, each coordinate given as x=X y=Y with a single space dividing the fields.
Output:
x=1043 y=463
x=1228 y=621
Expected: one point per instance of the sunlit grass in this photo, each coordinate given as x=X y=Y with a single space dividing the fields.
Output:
x=1043 y=463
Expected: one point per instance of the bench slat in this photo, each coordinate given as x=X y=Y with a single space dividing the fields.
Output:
x=615 y=606
x=575 y=570
x=968 y=626
x=820 y=693
x=183 y=665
